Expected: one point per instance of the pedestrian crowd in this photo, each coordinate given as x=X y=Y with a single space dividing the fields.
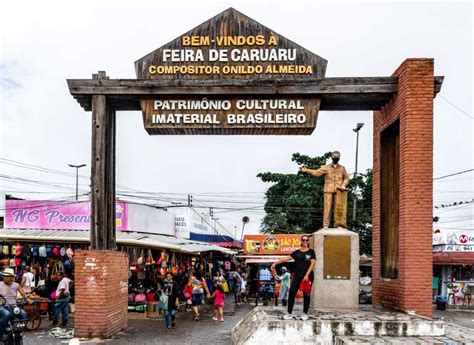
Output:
x=194 y=288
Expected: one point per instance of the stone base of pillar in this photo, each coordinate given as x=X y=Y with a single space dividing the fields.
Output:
x=336 y=282
x=101 y=285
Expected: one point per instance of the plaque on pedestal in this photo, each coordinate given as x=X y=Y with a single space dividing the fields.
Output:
x=336 y=275
x=337 y=257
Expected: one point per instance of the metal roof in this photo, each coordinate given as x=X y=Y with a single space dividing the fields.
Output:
x=123 y=238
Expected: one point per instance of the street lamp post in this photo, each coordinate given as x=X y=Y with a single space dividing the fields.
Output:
x=77 y=175
x=357 y=129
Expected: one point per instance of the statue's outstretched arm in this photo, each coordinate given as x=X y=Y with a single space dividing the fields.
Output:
x=316 y=172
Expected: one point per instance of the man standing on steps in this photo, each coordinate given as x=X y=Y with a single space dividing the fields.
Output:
x=336 y=180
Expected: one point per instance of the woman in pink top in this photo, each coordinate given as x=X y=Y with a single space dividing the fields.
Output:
x=219 y=298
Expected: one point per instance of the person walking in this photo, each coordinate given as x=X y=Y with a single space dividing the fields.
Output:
x=284 y=278
x=219 y=298
x=63 y=295
x=218 y=279
x=230 y=279
x=305 y=260
x=198 y=285
x=237 y=285
x=170 y=289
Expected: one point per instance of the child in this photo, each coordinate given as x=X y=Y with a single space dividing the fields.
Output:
x=219 y=297
x=188 y=292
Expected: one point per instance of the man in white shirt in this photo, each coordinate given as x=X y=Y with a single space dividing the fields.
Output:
x=61 y=306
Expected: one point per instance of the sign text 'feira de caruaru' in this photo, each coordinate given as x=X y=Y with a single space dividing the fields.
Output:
x=231 y=50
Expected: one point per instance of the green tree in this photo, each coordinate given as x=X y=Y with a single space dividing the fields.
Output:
x=294 y=202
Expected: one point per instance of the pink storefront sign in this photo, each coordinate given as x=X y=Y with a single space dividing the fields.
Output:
x=44 y=214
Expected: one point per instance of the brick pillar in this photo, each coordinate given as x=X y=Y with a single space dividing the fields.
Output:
x=101 y=278
x=413 y=107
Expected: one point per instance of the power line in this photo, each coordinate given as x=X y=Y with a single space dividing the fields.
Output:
x=454 y=174
x=458 y=108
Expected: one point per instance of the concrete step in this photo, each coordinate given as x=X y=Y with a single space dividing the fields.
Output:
x=359 y=340
x=264 y=325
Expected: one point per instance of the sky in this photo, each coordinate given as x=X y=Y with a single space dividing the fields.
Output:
x=44 y=43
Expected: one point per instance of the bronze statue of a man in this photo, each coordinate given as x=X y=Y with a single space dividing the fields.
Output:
x=336 y=180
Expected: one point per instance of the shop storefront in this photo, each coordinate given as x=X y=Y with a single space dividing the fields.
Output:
x=453 y=267
x=45 y=235
x=191 y=225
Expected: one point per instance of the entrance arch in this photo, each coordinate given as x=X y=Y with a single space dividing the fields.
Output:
x=402 y=204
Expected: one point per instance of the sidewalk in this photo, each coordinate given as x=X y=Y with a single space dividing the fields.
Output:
x=152 y=331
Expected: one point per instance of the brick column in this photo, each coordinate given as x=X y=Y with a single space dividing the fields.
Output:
x=101 y=278
x=413 y=106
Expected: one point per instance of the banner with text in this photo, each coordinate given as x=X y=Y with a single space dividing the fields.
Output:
x=67 y=215
x=229 y=115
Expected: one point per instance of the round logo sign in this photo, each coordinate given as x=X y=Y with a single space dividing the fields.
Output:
x=271 y=245
x=463 y=239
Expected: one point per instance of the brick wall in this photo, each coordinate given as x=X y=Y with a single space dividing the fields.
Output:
x=413 y=105
x=101 y=278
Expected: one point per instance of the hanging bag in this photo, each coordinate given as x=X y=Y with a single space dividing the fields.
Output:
x=42 y=251
x=149 y=258
x=133 y=259
x=56 y=251
x=70 y=252
x=141 y=260
x=225 y=287
x=49 y=251
x=163 y=301
x=140 y=298
x=18 y=249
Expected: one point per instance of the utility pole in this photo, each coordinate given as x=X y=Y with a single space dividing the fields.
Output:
x=77 y=175
x=215 y=225
x=356 y=130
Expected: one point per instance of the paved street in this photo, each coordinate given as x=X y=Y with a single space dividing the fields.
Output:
x=206 y=331
x=152 y=331
x=460 y=318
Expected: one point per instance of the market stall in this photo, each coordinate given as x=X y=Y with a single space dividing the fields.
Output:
x=453 y=268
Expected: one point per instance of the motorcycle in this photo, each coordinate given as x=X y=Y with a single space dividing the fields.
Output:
x=15 y=327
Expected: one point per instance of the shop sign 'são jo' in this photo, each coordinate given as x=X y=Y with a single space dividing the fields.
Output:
x=230 y=50
x=271 y=244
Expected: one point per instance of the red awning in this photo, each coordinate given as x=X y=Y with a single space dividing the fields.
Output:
x=238 y=245
x=453 y=258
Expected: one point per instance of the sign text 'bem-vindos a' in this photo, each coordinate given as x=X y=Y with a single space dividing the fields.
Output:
x=230 y=50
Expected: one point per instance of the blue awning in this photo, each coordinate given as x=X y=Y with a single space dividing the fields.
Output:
x=209 y=238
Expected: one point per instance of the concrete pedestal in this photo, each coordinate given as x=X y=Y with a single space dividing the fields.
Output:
x=336 y=291
x=101 y=278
